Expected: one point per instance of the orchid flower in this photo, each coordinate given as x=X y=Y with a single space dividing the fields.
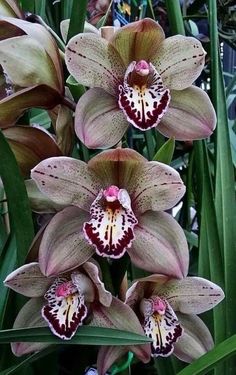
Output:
x=167 y=309
x=65 y=302
x=118 y=199
x=138 y=77
x=32 y=68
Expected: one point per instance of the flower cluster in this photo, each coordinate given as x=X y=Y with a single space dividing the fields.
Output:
x=116 y=203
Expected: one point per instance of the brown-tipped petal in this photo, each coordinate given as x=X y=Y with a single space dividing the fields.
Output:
x=26 y=143
x=120 y=316
x=179 y=61
x=196 y=340
x=65 y=130
x=67 y=181
x=12 y=107
x=63 y=245
x=138 y=40
x=29 y=316
x=8 y=30
x=28 y=280
x=192 y=295
x=116 y=167
x=9 y=8
x=39 y=202
x=33 y=67
x=160 y=245
x=190 y=115
x=104 y=296
x=94 y=62
x=99 y=123
x=107 y=355
x=42 y=35
x=155 y=186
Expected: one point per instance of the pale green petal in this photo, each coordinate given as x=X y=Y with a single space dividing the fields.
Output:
x=179 y=61
x=32 y=67
x=94 y=62
x=190 y=115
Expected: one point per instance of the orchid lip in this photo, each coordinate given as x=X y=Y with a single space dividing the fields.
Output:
x=143 y=97
x=110 y=229
x=161 y=324
x=65 y=309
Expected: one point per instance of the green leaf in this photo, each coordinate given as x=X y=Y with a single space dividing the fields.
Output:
x=77 y=18
x=166 y=152
x=208 y=361
x=85 y=336
x=225 y=203
x=175 y=16
x=21 y=223
x=7 y=265
x=32 y=358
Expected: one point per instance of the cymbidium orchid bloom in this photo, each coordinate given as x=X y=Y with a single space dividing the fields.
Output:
x=32 y=67
x=167 y=310
x=141 y=78
x=119 y=197
x=65 y=302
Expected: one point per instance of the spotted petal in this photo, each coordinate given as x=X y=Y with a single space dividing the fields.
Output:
x=179 y=61
x=190 y=115
x=28 y=280
x=99 y=123
x=64 y=314
x=154 y=186
x=164 y=330
x=94 y=62
x=110 y=229
x=67 y=181
x=192 y=295
x=144 y=104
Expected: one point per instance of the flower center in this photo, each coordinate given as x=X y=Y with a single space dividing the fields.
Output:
x=111 y=193
x=142 y=97
x=142 y=68
x=66 y=289
x=110 y=229
x=161 y=324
